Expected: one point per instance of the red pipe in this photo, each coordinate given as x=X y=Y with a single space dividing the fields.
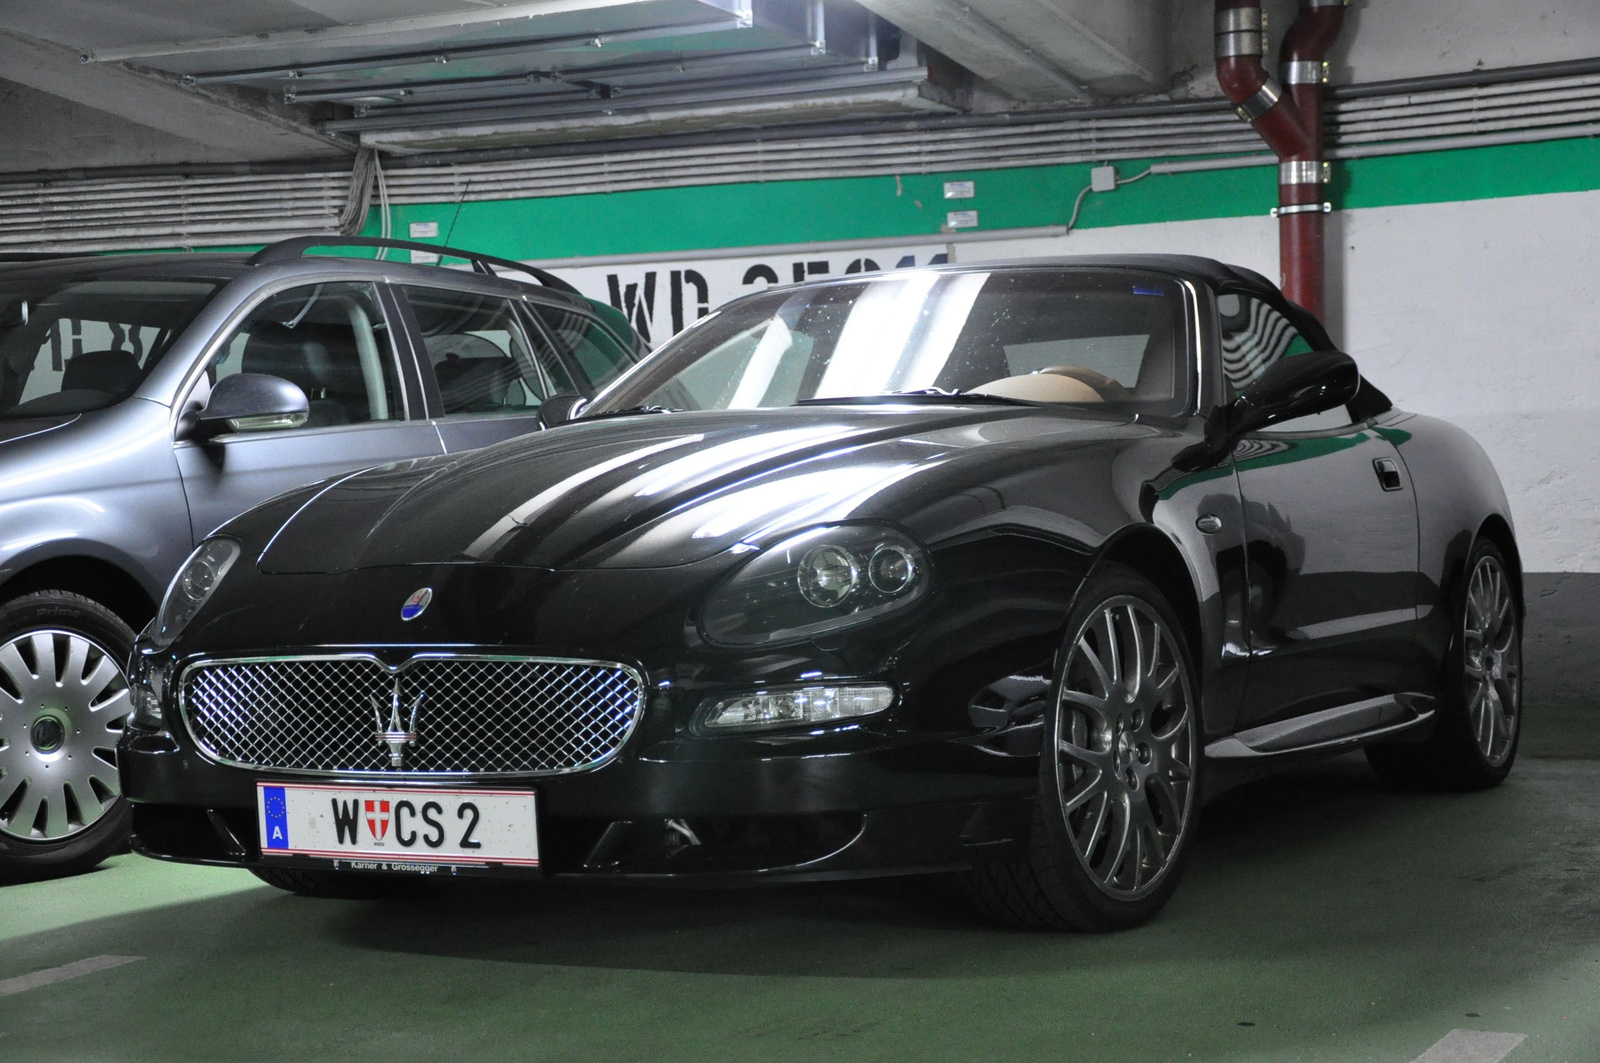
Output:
x=1289 y=120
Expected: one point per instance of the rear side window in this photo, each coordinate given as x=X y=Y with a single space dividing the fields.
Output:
x=1254 y=336
x=586 y=342
x=70 y=345
x=484 y=360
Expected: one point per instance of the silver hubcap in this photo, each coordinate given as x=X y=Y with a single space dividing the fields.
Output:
x=63 y=701
x=1125 y=748
x=1492 y=653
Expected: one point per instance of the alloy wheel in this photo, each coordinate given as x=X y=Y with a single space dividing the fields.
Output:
x=1492 y=658
x=1125 y=747
x=63 y=701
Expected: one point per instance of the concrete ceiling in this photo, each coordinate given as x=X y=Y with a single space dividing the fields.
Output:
x=1038 y=50
x=282 y=79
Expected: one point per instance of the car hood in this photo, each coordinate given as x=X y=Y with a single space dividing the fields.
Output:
x=654 y=490
x=32 y=426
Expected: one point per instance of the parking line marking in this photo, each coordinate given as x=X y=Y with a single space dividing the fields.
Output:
x=1472 y=1046
x=51 y=975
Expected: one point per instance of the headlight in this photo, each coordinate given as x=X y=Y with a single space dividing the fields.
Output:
x=794 y=707
x=821 y=580
x=191 y=587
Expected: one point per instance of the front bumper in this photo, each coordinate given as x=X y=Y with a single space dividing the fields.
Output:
x=854 y=803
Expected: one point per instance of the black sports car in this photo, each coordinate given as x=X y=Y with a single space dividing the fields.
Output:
x=980 y=569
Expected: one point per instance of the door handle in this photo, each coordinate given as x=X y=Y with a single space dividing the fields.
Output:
x=1388 y=474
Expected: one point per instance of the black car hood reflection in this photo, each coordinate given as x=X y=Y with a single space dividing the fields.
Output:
x=653 y=491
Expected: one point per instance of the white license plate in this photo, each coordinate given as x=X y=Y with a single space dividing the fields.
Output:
x=434 y=826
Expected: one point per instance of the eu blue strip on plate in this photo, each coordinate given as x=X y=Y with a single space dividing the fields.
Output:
x=277 y=810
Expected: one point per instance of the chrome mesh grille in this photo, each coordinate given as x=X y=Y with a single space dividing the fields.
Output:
x=477 y=715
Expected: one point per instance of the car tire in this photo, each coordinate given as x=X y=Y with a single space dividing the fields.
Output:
x=63 y=700
x=1478 y=722
x=1119 y=772
x=335 y=885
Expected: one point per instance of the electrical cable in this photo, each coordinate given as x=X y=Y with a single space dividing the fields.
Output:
x=1077 y=204
x=385 y=214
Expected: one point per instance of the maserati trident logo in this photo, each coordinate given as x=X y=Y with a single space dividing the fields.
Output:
x=416 y=603
x=397 y=733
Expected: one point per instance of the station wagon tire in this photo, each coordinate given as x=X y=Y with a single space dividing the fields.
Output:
x=333 y=885
x=1119 y=774
x=63 y=700
x=1479 y=718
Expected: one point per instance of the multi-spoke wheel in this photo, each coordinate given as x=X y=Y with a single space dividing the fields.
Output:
x=1124 y=751
x=1118 y=774
x=63 y=700
x=1480 y=709
x=1491 y=660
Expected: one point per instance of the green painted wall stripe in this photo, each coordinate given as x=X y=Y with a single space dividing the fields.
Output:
x=680 y=220
x=674 y=220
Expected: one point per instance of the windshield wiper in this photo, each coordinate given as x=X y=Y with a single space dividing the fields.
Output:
x=928 y=395
x=627 y=411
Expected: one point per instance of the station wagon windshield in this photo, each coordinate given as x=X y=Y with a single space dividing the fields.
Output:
x=1047 y=336
x=74 y=343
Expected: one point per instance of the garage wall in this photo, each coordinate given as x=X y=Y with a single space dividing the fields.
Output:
x=1385 y=39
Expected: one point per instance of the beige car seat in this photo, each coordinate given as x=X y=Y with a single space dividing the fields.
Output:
x=1057 y=383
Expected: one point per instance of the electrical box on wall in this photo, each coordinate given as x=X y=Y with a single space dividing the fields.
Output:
x=1103 y=178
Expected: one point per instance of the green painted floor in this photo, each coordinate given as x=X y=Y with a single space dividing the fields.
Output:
x=1321 y=920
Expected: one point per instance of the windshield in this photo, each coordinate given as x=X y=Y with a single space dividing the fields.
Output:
x=69 y=344
x=1072 y=336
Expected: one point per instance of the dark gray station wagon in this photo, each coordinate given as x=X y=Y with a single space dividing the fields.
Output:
x=146 y=399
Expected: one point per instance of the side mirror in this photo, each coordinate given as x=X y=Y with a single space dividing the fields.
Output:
x=559 y=409
x=252 y=402
x=1295 y=387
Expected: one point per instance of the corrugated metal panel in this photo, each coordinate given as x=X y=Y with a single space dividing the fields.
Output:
x=198 y=211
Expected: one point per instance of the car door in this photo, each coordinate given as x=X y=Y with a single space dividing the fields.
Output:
x=1331 y=541
x=335 y=342
x=487 y=366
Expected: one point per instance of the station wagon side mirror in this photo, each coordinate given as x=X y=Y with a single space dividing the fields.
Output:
x=559 y=409
x=251 y=402
x=1295 y=387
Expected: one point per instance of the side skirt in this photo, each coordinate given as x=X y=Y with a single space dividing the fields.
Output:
x=1331 y=731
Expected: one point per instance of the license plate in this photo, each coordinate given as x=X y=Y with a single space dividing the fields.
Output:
x=384 y=826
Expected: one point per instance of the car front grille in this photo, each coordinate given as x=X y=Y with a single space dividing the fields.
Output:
x=474 y=715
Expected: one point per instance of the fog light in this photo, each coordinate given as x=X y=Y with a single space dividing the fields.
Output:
x=795 y=707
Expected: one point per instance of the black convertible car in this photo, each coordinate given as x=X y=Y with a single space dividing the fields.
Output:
x=979 y=569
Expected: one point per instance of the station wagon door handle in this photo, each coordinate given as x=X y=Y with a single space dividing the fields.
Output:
x=1388 y=473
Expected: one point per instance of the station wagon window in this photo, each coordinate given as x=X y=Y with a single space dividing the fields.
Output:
x=600 y=356
x=483 y=359
x=1254 y=336
x=1067 y=336
x=329 y=340
x=70 y=344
